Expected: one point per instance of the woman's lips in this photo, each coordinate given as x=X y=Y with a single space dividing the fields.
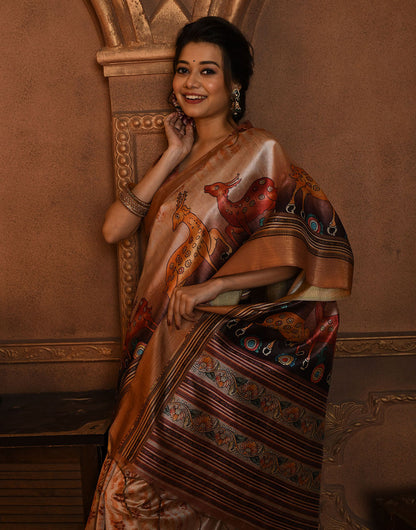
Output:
x=194 y=98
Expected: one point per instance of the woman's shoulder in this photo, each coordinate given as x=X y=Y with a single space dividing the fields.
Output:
x=257 y=133
x=260 y=138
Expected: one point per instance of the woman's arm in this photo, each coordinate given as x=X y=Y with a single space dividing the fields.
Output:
x=185 y=299
x=119 y=222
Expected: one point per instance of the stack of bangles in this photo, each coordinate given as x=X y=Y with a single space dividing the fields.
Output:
x=133 y=203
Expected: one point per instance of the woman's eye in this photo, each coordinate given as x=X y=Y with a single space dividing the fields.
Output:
x=208 y=71
x=181 y=70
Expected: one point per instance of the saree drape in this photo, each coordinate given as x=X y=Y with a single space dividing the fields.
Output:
x=227 y=413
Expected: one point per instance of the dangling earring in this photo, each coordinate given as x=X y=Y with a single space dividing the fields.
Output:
x=173 y=101
x=235 y=102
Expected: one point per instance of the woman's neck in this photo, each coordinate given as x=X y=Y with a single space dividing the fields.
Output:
x=212 y=130
x=209 y=133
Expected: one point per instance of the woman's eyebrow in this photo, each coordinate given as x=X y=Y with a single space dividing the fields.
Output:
x=202 y=62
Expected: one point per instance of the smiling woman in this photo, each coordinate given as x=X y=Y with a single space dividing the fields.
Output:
x=228 y=354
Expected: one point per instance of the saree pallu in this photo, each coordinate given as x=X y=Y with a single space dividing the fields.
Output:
x=224 y=418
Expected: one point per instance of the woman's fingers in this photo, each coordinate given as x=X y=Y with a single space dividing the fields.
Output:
x=175 y=122
x=184 y=300
x=181 y=306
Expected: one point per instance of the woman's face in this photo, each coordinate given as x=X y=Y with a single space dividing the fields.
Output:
x=199 y=81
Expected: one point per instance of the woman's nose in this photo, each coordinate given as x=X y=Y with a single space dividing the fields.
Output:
x=191 y=80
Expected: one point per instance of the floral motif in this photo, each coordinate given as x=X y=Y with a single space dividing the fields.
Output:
x=228 y=439
x=250 y=390
x=206 y=363
x=250 y=448
x=269 y=462
x=257 y=396
x=204 y=422
x=225 y=436
x=269 y=403
x=292 y=413
x=222 y=379
x=179 y=413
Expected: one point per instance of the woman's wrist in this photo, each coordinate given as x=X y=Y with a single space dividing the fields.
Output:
x=173 y=156
x=220 y=286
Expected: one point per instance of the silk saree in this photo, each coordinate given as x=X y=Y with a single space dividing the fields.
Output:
x=220 y=424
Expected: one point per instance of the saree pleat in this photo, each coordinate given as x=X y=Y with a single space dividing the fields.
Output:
x=227 y=413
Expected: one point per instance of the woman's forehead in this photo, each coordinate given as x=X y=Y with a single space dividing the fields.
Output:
x=197 y=52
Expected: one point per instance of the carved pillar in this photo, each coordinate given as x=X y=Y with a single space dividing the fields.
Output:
x=137 y=59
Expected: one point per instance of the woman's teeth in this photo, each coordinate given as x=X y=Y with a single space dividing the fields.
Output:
x=195 y=97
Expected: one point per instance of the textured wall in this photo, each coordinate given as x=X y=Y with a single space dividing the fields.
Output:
x=58 y=278
x=335 y=82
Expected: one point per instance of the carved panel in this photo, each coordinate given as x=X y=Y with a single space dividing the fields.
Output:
x=126 y=126
x=88 y=351
x=335 y=512
x=343 y=421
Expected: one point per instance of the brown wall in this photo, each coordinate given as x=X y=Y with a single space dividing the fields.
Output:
x=58 y=276
x=58 y=280
x=335 y=82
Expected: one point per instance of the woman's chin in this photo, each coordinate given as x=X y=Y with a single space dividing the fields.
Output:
x=193 y=112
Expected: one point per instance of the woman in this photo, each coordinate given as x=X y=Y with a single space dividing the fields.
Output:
x=228 y=354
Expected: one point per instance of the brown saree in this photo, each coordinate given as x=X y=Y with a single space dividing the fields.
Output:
x=225 y=417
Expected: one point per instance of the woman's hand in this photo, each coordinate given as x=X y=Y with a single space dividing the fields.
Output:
x=184 y=300
x=180 y=136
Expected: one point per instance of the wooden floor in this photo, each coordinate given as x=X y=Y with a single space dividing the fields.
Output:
x=41 y=489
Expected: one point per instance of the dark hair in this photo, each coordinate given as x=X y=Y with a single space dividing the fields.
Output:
x=236 y=50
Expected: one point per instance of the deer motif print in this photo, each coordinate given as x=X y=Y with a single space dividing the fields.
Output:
x=260 y=198
x=308 y=186
x=199 y=246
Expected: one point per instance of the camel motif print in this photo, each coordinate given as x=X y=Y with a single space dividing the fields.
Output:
x=259 y=199
x=198 y=247
x=308 y=186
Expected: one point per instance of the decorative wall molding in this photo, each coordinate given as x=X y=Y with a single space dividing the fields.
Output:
x=125 y=127
x=62 y=352
x=363 y=346
x=335 y=512
x=343 y=420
